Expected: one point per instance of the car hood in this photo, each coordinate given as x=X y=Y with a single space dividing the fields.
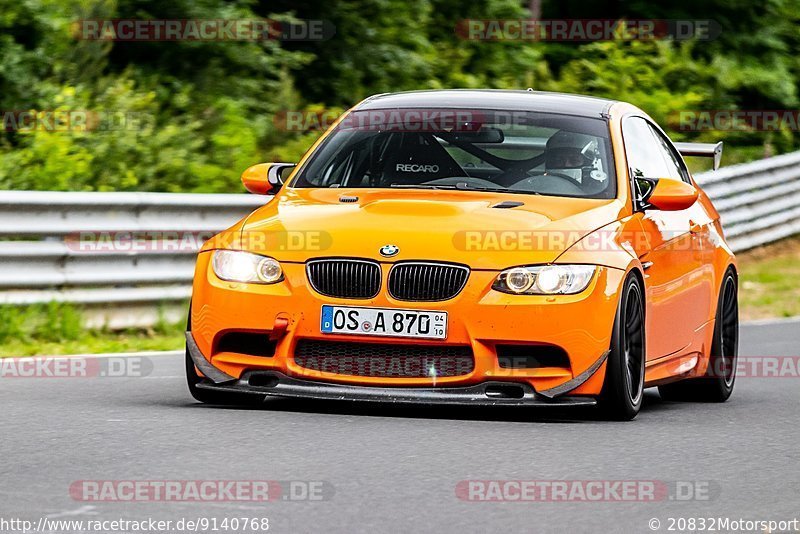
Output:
x=443 y=225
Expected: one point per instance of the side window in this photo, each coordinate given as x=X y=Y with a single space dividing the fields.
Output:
x=643 y=150
x=674 y=164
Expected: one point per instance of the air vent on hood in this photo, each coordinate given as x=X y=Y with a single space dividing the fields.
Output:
x=506 y=204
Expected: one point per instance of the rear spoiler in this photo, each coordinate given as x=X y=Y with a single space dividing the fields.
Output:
x=705 y=150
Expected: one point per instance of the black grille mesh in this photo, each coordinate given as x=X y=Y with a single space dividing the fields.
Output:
x=347 y=279
x=426 y=281
x=383 y=359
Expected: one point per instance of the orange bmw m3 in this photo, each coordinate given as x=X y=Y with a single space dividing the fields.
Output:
x=477 y=248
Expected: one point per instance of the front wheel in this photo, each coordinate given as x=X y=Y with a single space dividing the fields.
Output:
x=717 y=385
x=623 y=388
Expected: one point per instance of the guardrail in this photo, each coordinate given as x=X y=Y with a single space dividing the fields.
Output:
x=118 y=287
x=759 y=203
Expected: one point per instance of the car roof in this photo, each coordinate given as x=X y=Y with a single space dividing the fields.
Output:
x=496 y=99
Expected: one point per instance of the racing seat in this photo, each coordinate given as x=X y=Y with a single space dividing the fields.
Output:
x=419 y=158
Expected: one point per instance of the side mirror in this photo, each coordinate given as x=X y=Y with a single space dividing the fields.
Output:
x=264 y=178
x=672 y=195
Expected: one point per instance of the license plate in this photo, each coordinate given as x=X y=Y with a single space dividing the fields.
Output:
x=384 y=322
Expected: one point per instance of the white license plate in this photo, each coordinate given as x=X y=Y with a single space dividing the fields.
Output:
x=383 y=322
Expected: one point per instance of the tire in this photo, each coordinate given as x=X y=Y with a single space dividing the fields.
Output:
x=212 y=397
x=623 y=387
x=720 y=378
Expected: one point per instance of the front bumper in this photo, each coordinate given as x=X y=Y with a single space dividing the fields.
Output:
x=276 y=384
x=480 y=318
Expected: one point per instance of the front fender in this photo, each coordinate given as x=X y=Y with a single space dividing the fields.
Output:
x=614 y=245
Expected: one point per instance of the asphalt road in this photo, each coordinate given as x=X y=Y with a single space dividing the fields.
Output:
x=396 y=469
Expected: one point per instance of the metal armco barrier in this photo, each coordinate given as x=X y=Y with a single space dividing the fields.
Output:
x=759 y=202
x=41 y=259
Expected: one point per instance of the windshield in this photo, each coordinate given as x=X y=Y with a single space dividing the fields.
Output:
x=510 y=152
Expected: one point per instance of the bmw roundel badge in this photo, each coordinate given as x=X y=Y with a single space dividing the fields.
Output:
x=389 y=250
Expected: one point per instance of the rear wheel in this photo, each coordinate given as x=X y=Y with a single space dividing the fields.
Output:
x=623 y=388
x=717 y=385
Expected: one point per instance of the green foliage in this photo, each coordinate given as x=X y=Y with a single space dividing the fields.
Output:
x=197 y=113
x=54 y=321
x=13 y=322
x=768 y=279
x=61 y=321
x=59 y=328
x=657 y=76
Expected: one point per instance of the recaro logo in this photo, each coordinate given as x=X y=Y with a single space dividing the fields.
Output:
x=408 y=167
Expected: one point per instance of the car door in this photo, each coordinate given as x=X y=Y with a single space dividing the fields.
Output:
x=702 y=242
x=673 y=260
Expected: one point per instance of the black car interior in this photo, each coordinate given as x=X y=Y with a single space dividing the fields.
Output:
x=478 y=159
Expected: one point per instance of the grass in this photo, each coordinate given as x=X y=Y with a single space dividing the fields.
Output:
x=769 y=287
x=95 y=342
x=57 y=328
x=769 y=281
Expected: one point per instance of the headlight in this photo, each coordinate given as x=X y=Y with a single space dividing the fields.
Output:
x=237 y=266
x=545 y=279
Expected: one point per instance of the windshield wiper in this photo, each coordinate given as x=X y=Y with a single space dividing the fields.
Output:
x=463 y=186
x=421 y=186
x=466 y=187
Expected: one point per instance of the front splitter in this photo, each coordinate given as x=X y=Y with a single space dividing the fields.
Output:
x=493 y=393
